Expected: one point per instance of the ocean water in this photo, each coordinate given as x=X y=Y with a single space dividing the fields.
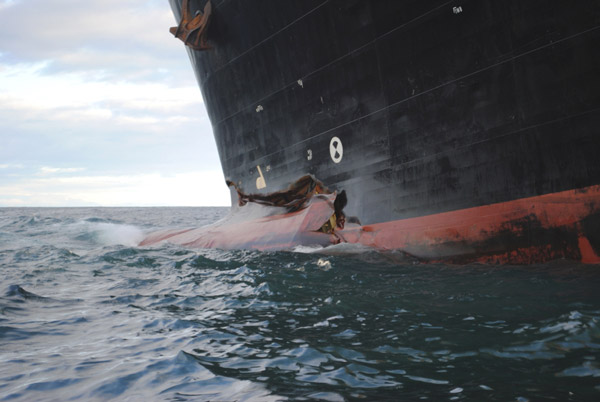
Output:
x=87 y=315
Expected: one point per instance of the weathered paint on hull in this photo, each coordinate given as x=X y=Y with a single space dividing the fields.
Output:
x=563 y=225
x=526 y=231
x=439 y=106
x=460 y=131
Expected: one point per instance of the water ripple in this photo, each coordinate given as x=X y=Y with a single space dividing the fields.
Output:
x=85 y=319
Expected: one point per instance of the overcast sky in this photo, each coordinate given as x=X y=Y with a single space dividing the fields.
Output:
x=99 y=106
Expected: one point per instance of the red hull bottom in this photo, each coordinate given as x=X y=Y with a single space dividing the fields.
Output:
x=564 y=225
x=525 y=231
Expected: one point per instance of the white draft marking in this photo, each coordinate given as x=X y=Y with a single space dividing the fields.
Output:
x=336 y=150
x=309 y=154
x=260 y=181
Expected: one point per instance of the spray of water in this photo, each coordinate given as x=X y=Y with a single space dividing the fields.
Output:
x=126 y=235
x=108 y=233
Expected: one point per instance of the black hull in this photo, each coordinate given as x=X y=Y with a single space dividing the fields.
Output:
x=439 y=105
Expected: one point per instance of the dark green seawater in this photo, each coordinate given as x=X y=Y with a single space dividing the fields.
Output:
x=87 y=315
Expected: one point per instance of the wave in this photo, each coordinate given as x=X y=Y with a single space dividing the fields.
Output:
x=16 y=291
x=337 y=249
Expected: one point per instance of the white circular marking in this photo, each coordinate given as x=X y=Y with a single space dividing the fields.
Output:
x=336 y=150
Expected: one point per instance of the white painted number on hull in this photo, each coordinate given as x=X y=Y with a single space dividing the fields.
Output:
x=336 y=150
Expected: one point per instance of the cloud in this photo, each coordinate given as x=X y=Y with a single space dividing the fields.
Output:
x=6 y=3
x=47 y=170
x=202 y=188
x=114 y=36
x=73 y=95
x=99 y=89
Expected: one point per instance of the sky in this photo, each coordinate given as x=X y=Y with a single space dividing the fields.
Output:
x=99 y=107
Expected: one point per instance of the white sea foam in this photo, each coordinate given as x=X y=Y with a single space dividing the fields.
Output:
x=126 y=235
x=108 y=233
x=307 y=249
x=336 y=249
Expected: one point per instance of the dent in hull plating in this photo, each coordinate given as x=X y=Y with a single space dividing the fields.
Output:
x=421 y=111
